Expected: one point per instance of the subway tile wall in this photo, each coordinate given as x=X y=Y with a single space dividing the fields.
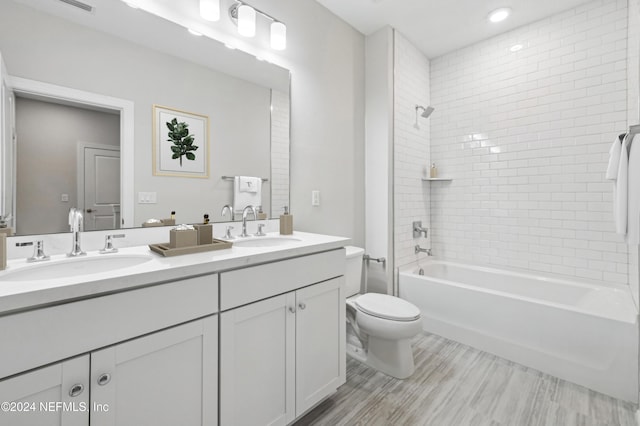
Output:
x=411 y=148
x=279 y=152
x=525 y=136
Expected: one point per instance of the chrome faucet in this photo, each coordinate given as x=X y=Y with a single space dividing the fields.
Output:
x=228 y=235
x=108 y=243
x=38 y=250
x=260 y=233
x=244 y=219
x=418 y=249
x=75 y=224
x=227 y=208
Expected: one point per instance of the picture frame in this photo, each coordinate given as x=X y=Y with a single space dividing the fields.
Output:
x=180 y=143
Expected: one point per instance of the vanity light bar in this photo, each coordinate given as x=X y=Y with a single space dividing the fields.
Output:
x=244 y=16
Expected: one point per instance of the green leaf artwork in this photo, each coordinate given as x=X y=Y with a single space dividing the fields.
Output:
x=182 y=141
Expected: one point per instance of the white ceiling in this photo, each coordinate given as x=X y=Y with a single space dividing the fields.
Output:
x=437 y=27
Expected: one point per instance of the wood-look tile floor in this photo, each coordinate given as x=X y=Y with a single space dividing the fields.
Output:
x=456 y=385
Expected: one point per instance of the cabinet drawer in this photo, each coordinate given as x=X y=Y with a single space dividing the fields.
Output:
x=259 y=282
x=34 y=338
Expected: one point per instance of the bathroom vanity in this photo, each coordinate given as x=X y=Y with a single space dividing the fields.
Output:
x=244 y=336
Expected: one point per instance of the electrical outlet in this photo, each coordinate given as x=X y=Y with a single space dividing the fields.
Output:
x=64 y=198
x=315 y=198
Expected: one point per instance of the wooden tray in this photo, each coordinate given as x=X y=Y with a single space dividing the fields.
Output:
x=164 y=249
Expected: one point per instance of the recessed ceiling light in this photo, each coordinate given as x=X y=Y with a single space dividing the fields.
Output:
x=499 y=15
x=130 y=4
x=194 y=32
x=516 y=47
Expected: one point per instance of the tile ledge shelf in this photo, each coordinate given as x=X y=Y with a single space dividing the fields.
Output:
x=437 y=179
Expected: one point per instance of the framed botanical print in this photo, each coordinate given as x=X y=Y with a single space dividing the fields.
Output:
x=180 y=143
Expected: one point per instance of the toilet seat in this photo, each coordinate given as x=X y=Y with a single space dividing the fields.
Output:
x=387 y=307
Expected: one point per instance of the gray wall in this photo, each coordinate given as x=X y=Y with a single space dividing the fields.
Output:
x=325 y=55
x=47 y=137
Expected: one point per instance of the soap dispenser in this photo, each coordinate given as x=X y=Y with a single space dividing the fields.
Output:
x=286 y=222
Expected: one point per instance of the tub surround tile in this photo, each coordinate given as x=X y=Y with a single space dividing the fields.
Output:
x=455 y=384
x=525 y=137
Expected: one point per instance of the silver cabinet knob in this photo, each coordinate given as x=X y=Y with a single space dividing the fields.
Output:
x=292 y=309
x=302 y=305
x=76 y=390
x=103 y=379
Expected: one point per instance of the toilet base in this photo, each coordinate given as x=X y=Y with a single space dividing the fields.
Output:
x=391 y=357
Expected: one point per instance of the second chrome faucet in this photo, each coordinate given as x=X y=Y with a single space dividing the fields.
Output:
x=245 y=212
x=76 y=226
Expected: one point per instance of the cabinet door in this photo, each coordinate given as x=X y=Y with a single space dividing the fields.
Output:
x=320 y=342
x=50 y=396
x=166 y=378
x=257 y=363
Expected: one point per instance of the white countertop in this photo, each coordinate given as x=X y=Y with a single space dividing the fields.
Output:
x=22 y=295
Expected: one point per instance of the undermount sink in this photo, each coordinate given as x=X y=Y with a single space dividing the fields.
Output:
x=72 y=267
x=265 y=241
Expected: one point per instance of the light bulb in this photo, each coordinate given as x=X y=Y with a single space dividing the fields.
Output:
x=246 y=20
x=278 y=35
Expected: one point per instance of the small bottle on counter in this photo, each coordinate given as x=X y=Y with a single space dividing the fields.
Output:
x=173 y=215
x=286 y=222
x=206 y=219
x=433 y=172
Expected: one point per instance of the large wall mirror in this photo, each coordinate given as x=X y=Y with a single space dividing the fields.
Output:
x=69 y=152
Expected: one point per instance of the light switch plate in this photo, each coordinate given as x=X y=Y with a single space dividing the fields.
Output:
x=147 y=197
x=315 y=198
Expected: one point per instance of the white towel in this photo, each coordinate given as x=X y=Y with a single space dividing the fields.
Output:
x=633 y=191
x=620 y=189
x=614 y=158
x=242 y=199
x=249 y=184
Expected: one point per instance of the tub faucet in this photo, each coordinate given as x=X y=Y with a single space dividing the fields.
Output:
x=418 y=249
x=244 y=219
x=75 y=224
x=418 y=230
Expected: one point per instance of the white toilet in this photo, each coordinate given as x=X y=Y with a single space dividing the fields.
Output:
x=379 y=327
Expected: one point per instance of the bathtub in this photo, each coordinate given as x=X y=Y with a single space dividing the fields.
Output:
x=584 y=333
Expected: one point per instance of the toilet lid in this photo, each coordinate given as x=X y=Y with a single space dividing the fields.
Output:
x=387 y=307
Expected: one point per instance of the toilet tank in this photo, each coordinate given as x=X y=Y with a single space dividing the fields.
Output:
x=353 y=274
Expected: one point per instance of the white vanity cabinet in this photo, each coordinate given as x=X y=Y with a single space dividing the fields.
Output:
x=150 y=357
x=166 y=378
x=282 y=355
x=34 y=398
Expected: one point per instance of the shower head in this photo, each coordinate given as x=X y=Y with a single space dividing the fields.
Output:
x=426 y=112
